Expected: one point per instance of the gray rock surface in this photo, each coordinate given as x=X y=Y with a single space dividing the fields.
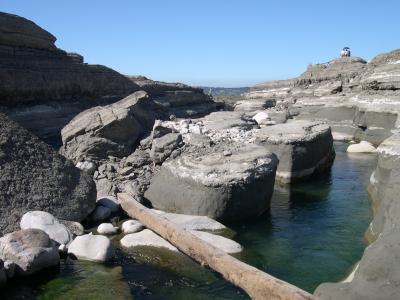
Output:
x=34 y=177
x=57 y=231
x=302 y=147
x=111 y=130
x=96 y=248
x=211 y=184
x=31 y=250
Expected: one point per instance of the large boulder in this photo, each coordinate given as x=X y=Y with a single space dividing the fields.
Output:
x=34 y=177
x=227 y=182
x=111 y=130
x=302 y=147
x=49 y=224
x=31 y=250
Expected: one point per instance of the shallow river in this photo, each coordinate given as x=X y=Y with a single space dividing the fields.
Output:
x=313 y=233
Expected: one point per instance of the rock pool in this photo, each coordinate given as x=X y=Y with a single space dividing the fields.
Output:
x=314 y=233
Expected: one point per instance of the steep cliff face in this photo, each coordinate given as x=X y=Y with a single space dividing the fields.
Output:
x=33 y=69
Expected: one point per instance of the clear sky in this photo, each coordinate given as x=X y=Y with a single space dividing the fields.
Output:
x=219 y=42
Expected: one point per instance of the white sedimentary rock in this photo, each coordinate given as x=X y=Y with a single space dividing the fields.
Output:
x=146 y=238
x=220 y=242
x=87 y=166
x=191 y=222
x=107 y=228
x=49 y=224
x=362 y=147
x=132 y=226
x=92 y=247
x=262 y=118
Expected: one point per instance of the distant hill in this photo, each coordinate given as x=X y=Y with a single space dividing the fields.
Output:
x=221 y=91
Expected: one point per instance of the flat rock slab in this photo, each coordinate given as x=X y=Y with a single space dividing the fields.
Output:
x=223 y=243
x=92 y=247
x=302 y=147
x=190 y=222
x=49 y=224
x=234 y=186
x=31 y=250
x=228 y=119
x=146 y=237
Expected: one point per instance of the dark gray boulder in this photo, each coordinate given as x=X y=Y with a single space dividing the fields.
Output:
x=34 y=177
x=225 y=182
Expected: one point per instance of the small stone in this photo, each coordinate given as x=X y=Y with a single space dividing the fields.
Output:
x=227 y=153
x=87 y=166
x=107 y=229
x=132 y=226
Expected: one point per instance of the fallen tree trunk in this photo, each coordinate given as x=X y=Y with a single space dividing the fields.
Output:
x=257 y=284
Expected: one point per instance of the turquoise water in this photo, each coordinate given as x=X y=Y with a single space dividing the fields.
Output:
x=313 y=234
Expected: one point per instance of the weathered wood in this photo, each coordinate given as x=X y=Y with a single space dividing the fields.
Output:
x=257 y=284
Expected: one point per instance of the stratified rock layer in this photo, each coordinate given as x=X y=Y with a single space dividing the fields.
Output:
x=34 y=177
x=33 y=69
x=109 y=130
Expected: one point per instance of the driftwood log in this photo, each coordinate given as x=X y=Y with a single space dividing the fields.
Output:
x=257 y=284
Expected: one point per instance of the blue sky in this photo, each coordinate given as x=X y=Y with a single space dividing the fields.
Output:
x=217 y=43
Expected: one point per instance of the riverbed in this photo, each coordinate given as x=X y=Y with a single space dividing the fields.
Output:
x=313 y=233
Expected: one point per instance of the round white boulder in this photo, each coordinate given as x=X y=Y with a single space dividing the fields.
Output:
x=49 y=224
x=107 y=228
x=362 y=147
x=146 y=238
x=92 y=247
